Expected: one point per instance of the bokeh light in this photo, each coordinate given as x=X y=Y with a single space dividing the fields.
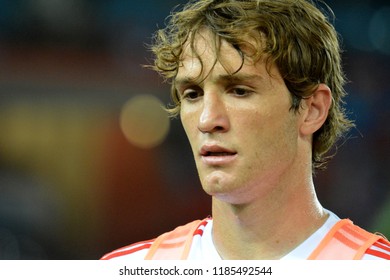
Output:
x=380 y=30
x=144 y=121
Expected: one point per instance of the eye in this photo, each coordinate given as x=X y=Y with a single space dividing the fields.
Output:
x=241 y=92
x=191 y=94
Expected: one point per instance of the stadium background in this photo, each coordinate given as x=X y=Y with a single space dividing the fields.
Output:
x=74 y=184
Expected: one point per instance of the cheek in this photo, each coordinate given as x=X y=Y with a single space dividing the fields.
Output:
x=271 y=135
x=189 y=123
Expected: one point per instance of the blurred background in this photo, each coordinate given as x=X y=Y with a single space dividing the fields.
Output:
x=90 y=163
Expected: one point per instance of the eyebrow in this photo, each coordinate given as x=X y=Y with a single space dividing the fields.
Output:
x=227 y=78
x=239 y=77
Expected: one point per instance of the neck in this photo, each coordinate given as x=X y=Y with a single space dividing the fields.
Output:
x=267 y=227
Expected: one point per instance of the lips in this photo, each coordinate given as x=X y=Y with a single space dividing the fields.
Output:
x=217 y=155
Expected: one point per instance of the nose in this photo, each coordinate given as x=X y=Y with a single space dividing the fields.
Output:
x=213 y=117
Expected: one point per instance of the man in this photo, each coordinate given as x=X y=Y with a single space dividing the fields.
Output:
x=258 y=86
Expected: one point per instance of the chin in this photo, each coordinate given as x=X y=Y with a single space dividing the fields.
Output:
x=227 y=193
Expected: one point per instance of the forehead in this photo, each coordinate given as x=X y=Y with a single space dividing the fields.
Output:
x=205 y=53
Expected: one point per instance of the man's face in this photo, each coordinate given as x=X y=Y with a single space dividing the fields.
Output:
x=243 y=135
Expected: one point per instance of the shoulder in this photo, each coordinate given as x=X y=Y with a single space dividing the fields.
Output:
x=346 y=240
x=380 y=250
x=136 y=251
x=140 y=250
x=375 y=245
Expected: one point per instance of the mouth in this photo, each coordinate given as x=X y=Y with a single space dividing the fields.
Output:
x=217 y=155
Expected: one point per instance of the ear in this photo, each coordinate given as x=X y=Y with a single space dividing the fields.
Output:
x=315 y=109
